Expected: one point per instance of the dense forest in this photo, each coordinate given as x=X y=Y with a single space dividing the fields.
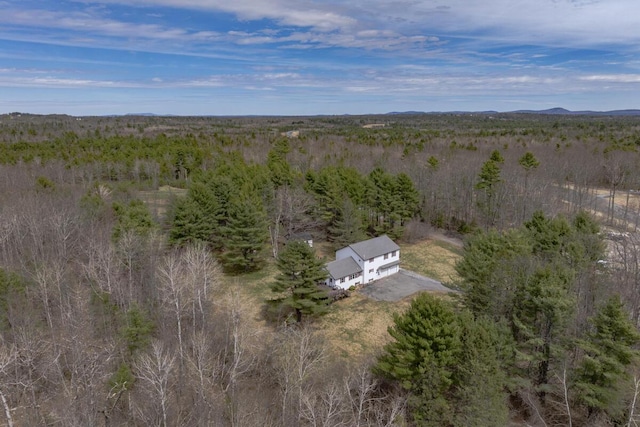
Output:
x=130 y=245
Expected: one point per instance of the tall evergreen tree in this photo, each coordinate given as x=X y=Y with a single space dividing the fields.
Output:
x=609 y=350
x=528 y=162
x=408 y=197
x=480 y=396
x=491 y=264
x=425 y=350
x=297 y=284
x=245 y=235
x=190 y=223
x=488 y=181
x=543 y=308
x=450 y=363
x=279 y=169
x=348 y=227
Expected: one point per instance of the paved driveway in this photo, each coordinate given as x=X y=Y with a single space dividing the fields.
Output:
x=400 y=285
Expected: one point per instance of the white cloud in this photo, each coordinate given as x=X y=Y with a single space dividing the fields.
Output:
x=613 y=78
x=320 y=16
x=552 y=22
x=88 y=24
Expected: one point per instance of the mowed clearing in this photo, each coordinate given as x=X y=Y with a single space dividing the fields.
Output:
x=357 y=326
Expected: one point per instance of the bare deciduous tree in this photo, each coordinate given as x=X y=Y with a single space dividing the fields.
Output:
x=238 y=356
x=7 y=358
x=155 y=369
x=203 y=272
x=299 y=355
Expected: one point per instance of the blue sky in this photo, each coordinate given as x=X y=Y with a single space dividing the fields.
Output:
x=306 y=57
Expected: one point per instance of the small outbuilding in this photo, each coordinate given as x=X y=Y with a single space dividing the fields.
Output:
x=302 y=237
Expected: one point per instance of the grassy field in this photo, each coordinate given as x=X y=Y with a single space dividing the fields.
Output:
x=355 y=326
x=431 y=258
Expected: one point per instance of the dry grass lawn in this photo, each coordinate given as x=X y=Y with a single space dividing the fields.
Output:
x=431 y=258
x=357 y=326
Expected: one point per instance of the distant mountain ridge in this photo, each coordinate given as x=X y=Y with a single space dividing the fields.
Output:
x=559 y=111
x=563 y=111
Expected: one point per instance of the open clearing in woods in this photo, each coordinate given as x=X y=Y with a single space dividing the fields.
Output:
x=158 y=200
x=355 y=326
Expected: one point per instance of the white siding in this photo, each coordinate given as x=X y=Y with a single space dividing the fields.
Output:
x=372 y=270
x=338 y=283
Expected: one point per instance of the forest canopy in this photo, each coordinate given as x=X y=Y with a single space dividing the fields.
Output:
x=150 y=272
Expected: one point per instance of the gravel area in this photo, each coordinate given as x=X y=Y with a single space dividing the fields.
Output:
x=401 y=285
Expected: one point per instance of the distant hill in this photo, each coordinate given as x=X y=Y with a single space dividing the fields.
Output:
x=563 y=111
x=551 y=111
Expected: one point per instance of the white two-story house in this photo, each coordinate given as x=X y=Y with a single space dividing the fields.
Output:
x=364 y=262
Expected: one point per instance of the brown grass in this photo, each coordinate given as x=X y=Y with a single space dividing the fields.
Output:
x=158 y=200
x=357 y=326
x=431 y=258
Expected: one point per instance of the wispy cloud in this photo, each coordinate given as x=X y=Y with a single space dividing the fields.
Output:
x=324 y=52
x=613 y=78
x=559 y=22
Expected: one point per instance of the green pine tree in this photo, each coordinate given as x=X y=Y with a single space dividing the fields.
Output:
x=488 y=181
x=279 y=168
x=348 y=227
x=528 y=162
x=480 y=393
x=245 y=235
x=132 y=217
x=496 y=156
x=609 y=350
x=408 y=196
x=190 y=223
x=423 y=356
x=137 y=329
x=297 y=284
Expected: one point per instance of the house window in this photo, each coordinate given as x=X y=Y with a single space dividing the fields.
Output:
x=353 y=276
x=371 y=270
x=342 y=280
x=393 y=253
x=371 y=260
x=386 y=256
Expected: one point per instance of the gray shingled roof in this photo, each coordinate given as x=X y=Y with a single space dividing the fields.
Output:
x=343 y=268
x=374 y=247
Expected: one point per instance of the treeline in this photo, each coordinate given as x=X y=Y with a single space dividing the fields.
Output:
x=443 y=155
x=235 y=207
